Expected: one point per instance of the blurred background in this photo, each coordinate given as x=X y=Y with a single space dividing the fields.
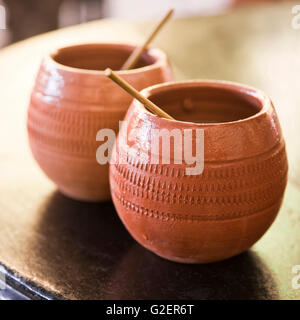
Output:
x=253 y=46
x=26 y=18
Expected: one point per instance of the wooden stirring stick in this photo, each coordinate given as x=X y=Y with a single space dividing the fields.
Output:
x=134 y=57
x=127 y=87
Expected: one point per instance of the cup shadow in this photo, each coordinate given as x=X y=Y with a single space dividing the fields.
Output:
x=86 y=253
x=143 y=275
x=78 y=244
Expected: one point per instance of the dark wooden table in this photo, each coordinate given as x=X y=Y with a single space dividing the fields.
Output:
x=56 y=247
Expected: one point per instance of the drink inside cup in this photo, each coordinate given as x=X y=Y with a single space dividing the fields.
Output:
x=72 y=100
x=217 y=205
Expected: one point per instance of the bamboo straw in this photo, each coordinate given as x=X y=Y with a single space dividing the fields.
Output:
x=132 y=91
x=134 y=57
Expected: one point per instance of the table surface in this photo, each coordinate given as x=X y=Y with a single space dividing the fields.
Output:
x=54 y=247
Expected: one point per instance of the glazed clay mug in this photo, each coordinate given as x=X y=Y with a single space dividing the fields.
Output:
x=72 y=100
x=229 y=204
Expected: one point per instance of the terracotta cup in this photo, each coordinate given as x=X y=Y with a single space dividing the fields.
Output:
x=220 y=212
x=72 y=100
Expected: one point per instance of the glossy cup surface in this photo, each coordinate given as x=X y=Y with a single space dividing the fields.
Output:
x=226 y=209
x=72 y=100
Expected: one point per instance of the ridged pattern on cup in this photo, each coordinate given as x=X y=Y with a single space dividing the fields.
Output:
x=212 y=216
x=68 y=107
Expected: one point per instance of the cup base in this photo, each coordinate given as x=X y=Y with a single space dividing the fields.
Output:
x=88 y=197
x=194 y=260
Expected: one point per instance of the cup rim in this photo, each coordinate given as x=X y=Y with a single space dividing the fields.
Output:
x=157 y=54
x=264 y=101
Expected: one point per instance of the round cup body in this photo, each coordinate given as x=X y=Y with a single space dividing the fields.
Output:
x=72 y=100
x=209 y=215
